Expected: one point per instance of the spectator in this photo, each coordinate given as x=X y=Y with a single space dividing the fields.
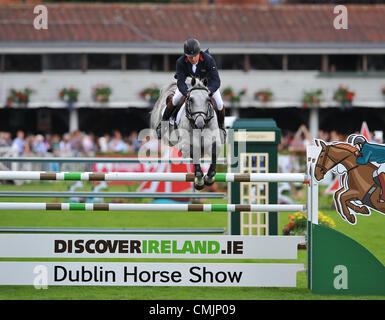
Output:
x=65 y=145
x=56 y=144
x=28 y=145
x=103 y=143
x=88 y=145
x=135 y=141
x=39 y=146
x=18 y=142
x=76 y=143
x=117 y=144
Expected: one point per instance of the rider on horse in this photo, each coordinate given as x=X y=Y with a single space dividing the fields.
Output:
x=371 y=152
x=198 y=64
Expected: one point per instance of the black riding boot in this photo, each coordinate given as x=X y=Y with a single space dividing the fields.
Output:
x=221 y=121
x=166 y=115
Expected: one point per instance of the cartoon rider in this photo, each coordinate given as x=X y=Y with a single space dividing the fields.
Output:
x=371 y=152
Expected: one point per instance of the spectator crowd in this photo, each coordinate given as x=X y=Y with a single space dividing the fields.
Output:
x=70 y=144
x=87 y=144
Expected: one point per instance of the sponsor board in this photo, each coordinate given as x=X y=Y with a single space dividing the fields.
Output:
x=148 y=246
x=45 y=274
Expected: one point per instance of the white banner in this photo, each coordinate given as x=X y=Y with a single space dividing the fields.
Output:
x=148 y=246
x=44 y=274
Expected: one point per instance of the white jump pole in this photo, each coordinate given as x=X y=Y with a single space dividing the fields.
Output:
x=151 y=207
x=149 y=176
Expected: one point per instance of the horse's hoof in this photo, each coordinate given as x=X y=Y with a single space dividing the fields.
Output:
x=209 y=180
x=351 y=218
x=199 y=183
x=364 y=210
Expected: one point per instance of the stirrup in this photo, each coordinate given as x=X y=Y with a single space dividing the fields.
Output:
x=159 y=130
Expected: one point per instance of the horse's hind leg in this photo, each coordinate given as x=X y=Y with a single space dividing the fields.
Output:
x=210 y=176
x=361 y=210
x=345 y=199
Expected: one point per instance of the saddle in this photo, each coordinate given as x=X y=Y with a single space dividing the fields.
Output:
x=366 y=200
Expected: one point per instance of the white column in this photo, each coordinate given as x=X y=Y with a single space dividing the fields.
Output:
x=313 y=122
x=74 y=120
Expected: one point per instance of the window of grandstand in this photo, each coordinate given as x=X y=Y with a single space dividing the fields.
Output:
x=304 y=62
x=345 y=62
x=104 y=61
x=172 y=61
x=266 y=61
x=23 y=63
x=376 y=62
x=62 y=62
x=153 y=62
x=229 y=61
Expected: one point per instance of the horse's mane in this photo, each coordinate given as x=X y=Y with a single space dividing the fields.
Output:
x=345 y=146
x=198 y=84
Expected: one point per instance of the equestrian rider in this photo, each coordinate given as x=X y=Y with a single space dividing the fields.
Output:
x=198 y=64
x=371 y=152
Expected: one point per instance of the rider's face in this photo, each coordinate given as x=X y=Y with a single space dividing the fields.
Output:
x=193 y=60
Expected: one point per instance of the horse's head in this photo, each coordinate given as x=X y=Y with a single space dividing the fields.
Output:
x=198 y=104
x=331 y=155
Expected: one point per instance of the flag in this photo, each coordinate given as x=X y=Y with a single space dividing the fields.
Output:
x=167 y=186
x=365 y=131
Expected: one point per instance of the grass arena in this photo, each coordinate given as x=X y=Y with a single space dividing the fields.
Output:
x=191 y=240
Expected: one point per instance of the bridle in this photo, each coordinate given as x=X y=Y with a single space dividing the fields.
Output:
x=191 y=116
x=322 y=167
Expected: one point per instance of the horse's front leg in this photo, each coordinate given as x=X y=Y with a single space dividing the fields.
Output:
x=198 y=181
x=336 y=195
x=210 y=176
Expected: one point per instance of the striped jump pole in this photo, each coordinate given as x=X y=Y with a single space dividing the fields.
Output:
x=109 y=160
x=150 y=176
x=157 y=195
x=151 y=207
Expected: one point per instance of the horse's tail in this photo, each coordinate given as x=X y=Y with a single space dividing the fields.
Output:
x=158 y=106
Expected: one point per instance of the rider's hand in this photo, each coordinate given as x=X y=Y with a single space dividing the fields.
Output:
x=357 y=153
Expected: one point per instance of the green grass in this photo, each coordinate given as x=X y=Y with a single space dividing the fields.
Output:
x=367 y=231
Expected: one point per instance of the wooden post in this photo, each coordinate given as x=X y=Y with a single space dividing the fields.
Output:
x=246 y=66
x=285 y=62
x=123 y=62
x=325 y=63
x=166 y=64
x=2 y=63
x=84 y=62
x=364 y=62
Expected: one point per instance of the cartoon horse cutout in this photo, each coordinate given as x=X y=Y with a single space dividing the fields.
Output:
x=361 y=189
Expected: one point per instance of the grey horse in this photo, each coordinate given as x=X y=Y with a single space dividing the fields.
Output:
x=195 y=131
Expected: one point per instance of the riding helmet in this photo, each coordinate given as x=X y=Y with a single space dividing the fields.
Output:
x=351 y=138
x=191 y=47
x=360 y=140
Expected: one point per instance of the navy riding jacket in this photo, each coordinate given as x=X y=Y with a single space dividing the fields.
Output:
x=206 y=68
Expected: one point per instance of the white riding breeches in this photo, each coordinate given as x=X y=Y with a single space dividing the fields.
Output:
x=217 y=97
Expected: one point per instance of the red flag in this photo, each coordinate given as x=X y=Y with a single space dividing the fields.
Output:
x=365 y=131
x=168 y=186
x=334 y=186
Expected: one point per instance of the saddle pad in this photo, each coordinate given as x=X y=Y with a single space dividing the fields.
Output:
x=172 y=121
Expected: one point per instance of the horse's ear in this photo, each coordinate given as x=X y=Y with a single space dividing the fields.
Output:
x=316 y=142
x=205 y=82
x=193 y=81
x=323 y=144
